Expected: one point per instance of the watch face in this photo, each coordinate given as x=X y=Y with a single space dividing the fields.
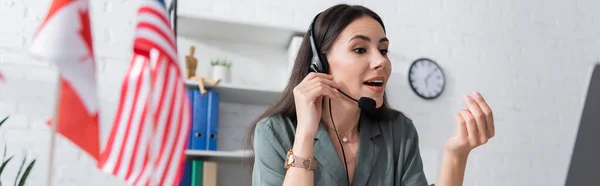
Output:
x=290 y=159
x=426 y=78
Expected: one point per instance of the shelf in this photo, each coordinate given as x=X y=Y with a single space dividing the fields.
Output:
x=239 y=32
x=240 y=93
x=218 y=155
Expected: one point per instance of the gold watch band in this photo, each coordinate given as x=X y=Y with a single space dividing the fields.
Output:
x=295 y=161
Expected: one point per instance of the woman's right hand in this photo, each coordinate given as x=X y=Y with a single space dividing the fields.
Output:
x=308 y=96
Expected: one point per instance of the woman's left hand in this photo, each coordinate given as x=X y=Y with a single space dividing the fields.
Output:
x=475 y=126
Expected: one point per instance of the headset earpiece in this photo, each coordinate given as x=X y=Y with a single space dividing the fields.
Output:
x=324 y=64
x=318 y=62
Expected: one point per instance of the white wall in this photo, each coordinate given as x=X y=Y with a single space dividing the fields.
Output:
x=530 y=59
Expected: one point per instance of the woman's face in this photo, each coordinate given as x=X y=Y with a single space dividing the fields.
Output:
x=358 y=59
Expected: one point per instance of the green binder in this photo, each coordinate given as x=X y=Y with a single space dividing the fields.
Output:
x=197 y=173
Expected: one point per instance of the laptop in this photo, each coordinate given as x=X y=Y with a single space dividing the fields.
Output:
x=584 y=168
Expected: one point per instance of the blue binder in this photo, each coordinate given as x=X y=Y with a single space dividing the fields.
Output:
x=192 y=95
x=199 y=121
x=212 y=120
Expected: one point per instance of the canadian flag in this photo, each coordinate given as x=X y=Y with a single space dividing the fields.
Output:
x=65 y=39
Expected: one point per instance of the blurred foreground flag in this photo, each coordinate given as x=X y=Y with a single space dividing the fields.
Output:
x=65 y=39
x=147 y=142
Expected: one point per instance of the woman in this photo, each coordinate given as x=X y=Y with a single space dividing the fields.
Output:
x=297 y=141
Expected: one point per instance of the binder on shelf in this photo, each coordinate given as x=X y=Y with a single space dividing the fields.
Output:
x=209 y=177
x=199 y=121
x=197 y=173
x=212 y=120
x=191 y=96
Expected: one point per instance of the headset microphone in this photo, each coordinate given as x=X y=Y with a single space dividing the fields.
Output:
x=365 y=104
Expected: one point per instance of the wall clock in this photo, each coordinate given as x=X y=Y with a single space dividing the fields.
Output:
x=426 y=78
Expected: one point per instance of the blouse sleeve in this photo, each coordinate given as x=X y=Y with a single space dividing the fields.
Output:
x=268 y=169
x=410 y=163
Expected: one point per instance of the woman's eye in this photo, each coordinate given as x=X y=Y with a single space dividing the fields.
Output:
x=360 y=50
x=383 y=52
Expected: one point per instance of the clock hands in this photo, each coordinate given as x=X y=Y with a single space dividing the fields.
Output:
x=427 y=78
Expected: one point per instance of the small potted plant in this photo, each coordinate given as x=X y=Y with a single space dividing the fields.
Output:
x=221 y=70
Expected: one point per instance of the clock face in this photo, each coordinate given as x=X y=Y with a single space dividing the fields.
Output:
x=426 y=78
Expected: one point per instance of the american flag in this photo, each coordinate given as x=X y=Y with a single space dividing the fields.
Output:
x=149 y=135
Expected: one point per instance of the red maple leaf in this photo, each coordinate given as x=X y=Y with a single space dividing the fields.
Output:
x=86 y=32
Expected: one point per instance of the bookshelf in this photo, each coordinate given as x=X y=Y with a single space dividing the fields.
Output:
x=262 y=55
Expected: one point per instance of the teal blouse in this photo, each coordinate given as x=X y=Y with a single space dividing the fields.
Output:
x=388 y=153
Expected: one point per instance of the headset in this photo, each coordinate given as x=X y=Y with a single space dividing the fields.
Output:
x=319 y=64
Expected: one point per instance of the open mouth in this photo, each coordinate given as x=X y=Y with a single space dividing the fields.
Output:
x=375 y=83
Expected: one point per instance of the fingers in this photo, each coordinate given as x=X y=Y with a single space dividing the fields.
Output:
x=461 y=129
x=318 y=89
x=313 y=78
x=487 y=111
x=325 y=81
x=473 y=134
x=479 y=117
x=314 y=75
x=316 y=85
x=475 y=124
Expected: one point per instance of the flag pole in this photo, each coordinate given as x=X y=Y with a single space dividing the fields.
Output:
x=53 y=133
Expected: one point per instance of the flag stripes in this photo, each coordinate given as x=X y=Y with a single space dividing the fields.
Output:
x=149 y=135
x=132 y=102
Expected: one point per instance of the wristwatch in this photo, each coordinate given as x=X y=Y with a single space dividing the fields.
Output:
x=295 y=161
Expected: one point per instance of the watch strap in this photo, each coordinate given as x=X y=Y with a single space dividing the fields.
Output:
x=295 y=161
